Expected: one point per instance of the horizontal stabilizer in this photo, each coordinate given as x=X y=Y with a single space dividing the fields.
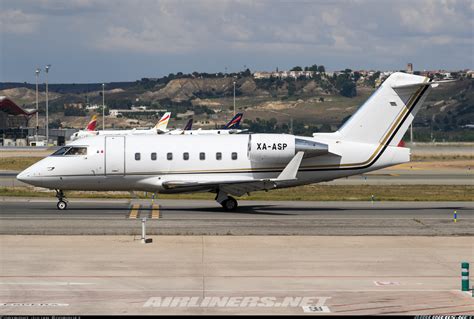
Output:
x=416 y=85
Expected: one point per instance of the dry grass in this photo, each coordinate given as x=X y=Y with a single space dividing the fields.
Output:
x=17 y=163
x=306 y=193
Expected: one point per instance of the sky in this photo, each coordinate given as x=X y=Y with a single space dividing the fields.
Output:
x=125 y=40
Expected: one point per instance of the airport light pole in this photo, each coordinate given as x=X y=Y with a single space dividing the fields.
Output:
x=103 y=106
x=47 y=104
x=37 y=72
x=234 y=98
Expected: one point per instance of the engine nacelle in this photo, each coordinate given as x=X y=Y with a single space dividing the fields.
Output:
x=279 y=148
x=274 y=148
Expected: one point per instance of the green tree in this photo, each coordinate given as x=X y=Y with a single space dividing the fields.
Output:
x=296 y=68
x=291 y=88
x=55 y=124
x=348 y=89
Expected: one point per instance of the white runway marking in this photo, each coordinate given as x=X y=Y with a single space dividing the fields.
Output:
x=48 y=283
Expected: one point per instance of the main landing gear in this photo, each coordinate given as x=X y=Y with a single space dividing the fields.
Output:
x=228 y=202
x=62 y=201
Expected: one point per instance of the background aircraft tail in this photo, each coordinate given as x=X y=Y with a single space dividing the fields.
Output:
x=386 y=115
x=189 y=125
x=92 y=124
x=235 y=122
x=163 y=122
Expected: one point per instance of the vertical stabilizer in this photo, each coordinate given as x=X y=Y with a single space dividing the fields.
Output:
x=163 y=122
x=386 y=115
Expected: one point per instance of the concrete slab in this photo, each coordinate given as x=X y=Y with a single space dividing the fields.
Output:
x=118 y=275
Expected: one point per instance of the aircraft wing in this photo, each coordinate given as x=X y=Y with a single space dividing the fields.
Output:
x=243 y=186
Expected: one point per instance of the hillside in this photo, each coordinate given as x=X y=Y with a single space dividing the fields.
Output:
x=25 y=96
x=179 y=90
x=269 y=105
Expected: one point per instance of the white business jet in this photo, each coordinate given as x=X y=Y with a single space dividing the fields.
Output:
x=159 y=128
x=237 y=164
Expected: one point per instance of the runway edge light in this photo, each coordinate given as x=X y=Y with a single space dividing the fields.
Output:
x=464 y=276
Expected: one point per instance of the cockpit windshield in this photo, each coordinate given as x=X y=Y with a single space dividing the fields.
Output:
x=71 y=150
x=77 y=151
x=61 y=151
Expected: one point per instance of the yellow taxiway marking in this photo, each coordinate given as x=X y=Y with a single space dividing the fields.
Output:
x=155 y=211
x=134 y=211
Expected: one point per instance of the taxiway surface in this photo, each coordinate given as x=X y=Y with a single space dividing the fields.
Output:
x=30 y=216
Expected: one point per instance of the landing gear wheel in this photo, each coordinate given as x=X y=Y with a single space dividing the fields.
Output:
x=230 y=204
x=62 y=201
x=62 y=205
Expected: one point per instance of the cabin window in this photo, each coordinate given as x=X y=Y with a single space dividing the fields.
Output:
x=202 y=156
x=169 y=156
x=234 y=155
x=137 y=156
x=218 y=156
x=153 y=156
x=186 y=156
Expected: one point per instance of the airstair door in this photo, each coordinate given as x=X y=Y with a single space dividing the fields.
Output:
x=115 y=155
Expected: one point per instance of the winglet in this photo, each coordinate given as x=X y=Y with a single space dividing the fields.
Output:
x=291 y=169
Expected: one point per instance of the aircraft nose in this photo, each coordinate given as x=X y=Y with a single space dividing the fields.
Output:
x=24 y=176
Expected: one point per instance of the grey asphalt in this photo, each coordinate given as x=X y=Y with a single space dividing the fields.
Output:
x=456 y=177
x=200 y=217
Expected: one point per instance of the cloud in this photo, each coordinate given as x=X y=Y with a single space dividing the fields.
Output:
x=204 y=34
x=15 y=21
x=190 y=26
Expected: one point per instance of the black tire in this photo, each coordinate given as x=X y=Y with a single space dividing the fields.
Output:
x=61 y=205
x=230 y=204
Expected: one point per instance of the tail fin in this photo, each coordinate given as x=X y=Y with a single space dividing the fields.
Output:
x=163 y=122
x=386 y=115
x=92 y=124
x=235 y=122
x=189 y=125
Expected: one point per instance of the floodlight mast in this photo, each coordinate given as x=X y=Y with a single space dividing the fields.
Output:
x=37 y=72
x=103 y=106
x=48 y=66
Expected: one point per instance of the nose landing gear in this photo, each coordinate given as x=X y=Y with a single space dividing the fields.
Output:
x=62 y=201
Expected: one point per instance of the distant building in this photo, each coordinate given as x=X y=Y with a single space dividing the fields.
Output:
x=13 y=123
x=284 y=74
x=12 y=116
x=410 y=68
x=139 y=108
x=136 y=110
x=77 y=106
x=262 y=75
x=93 y=107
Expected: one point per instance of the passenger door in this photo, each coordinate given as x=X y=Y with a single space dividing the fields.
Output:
x=115 y=155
